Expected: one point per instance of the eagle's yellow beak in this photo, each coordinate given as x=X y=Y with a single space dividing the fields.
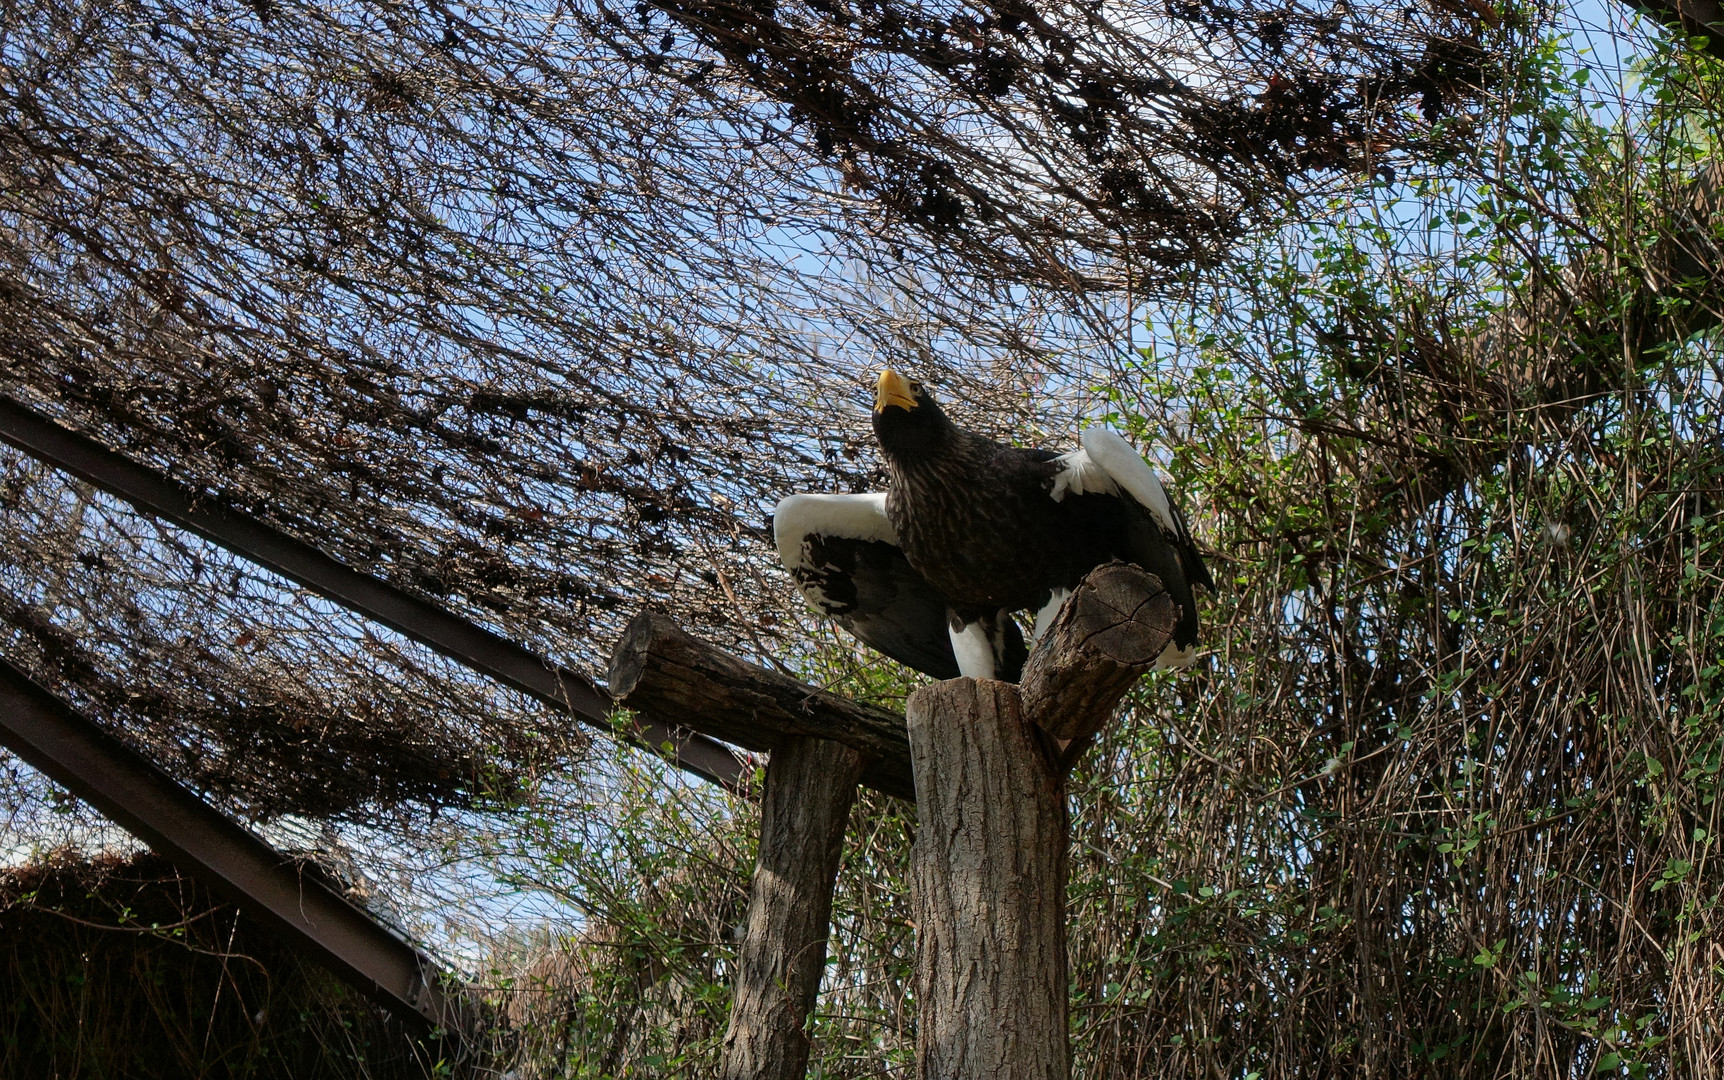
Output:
x=893 y=389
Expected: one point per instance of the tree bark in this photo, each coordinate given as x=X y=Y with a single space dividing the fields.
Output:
x=661 y=669
x=1109 y=632
x=810 y=784
x=988 y=873
x=987 y=882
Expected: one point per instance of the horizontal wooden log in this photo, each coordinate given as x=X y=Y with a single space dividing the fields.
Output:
x=1109 y=632
x=661 y=669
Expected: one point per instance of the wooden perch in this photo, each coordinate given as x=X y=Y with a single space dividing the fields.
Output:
x=821 y=746
x=664 y=671
x=988 y=874
x=1108 y=633
x=987 y=886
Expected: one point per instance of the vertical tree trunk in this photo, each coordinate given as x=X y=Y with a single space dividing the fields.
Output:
x=810 y=785
x=987 y=882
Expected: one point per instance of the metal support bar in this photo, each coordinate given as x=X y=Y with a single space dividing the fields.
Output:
x=68 y=747
x=424 y=622
x=1690 y=18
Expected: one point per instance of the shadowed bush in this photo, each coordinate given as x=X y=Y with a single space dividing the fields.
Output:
x=124 y=968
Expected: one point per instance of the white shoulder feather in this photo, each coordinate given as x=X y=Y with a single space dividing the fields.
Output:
x=1080 y=475
x=1127 y=468
x=856 y=517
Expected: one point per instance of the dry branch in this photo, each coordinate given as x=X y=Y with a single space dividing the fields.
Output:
x=659 y=668
x=1693 y=18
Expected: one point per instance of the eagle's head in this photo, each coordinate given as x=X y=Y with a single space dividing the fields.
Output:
x=907 y=420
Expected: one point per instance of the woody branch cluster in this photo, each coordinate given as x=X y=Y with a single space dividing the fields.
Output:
x=457 y=296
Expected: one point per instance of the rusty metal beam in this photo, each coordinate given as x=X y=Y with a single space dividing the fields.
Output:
x=93 y=765
x=425 y=622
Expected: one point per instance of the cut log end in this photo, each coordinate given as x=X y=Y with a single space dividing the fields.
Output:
x=1121 y=614
x=1110 y=632
x=629 y=657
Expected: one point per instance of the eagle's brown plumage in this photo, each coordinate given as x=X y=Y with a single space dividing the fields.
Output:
x=979 y=530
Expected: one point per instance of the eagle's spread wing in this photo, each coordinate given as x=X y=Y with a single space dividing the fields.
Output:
x=1159 y=539
x=844 y=556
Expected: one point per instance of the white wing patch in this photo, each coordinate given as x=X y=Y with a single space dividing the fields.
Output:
x=1080 y=475
x=1126 y=467
x=798 y=521
x=855 y=517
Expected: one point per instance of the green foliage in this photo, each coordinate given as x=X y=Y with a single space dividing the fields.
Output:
x=1443 y=798
x=652 y=875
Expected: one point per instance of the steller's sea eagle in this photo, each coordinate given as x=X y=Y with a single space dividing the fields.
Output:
x=969 y=531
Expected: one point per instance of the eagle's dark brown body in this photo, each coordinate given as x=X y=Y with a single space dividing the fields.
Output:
x=991 y=529
x=956 y=491
x=933 y=571
x=976 y=519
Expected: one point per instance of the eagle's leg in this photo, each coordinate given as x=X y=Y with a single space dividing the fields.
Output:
x=1176 y=657
x=974 y=648
x=987 y=644
x=1045 y=617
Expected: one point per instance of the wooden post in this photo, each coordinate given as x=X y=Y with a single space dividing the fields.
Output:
x=989 y=870
x=810 y=785
x=988 y=874
x=822 y=746
x=987 y=881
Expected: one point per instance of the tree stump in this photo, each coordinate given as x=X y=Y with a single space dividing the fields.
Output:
x=988 y=873
x=1109 y=632
x=986 y=878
